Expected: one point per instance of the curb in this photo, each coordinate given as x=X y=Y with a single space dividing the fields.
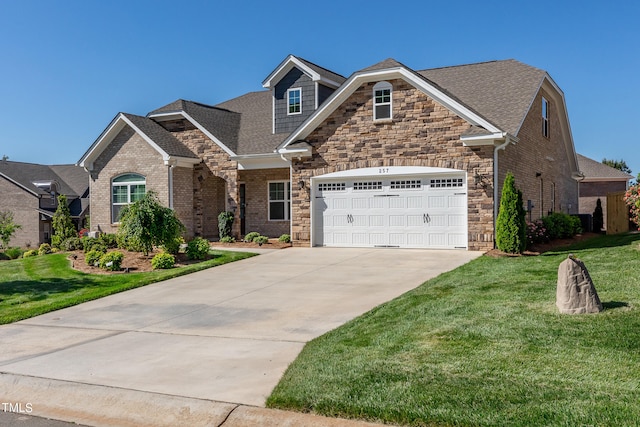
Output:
x=104 y=406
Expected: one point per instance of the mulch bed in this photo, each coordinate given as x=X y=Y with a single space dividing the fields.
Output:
x=541 y=248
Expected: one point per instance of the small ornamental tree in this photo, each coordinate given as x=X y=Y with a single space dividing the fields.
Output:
x=146 y=223
x=7 y=228
x=510 y=227
x=225 y=224
x=598 y=217
x=62 y=224
x=632 y=199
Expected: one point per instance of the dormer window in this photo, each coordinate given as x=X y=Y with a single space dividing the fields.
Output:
x=382 y=107
x=294 y=97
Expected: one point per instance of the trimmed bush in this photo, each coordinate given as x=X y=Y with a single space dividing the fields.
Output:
x=71 y=244
x=44 y=249
x=163 y=261
x=108 y=240
x=225 y=224
x=173 y=246
x=510 y=225
x=198 y=248
x=228 y=239
x=250 y=236
x=261 y=240
x=285 y=238
x=111 y=261
x=536 y=232
x=93 y=256
x=30 y=253
x=561 y=225
x=598 y=217
x=13 y=253
x=91 y=243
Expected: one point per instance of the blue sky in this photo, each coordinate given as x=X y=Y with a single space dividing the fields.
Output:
x=69 y=67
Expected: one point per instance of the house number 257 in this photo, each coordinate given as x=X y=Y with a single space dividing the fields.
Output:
x=383 y=170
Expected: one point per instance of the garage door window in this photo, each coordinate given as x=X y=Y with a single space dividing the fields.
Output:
x=279 y=201
x=367 y=185
x=332 y=186
x=447 y=183
x=404 y=185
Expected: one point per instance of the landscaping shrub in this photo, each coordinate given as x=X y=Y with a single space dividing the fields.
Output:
x=4 y=257
x=632 y=199
x=173 y=247
x=561 y=225
x=13 y=253
x=228 y=239
x=163 y=261
x=260 y=240
x=62 y=224
x=285 y=238
x=30 y=253
x=598 y=217
x=108 y=240
x=7 y=228
x=225 y=224
x=510 y=225
x=44 y=249
x=91 y=243
x=111 y=261
x=250 y=236
x=93 y=256
x=71 y=244
x=198 y=248
x=536 y=232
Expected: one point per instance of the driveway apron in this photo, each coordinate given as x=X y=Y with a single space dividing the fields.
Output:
x=225 y=334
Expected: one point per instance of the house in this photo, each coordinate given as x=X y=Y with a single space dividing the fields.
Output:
x=30 y=191
x=599 y=180
x=390 y=156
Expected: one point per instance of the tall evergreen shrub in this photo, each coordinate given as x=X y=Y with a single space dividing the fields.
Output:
x=598 y=217
x=510 y=225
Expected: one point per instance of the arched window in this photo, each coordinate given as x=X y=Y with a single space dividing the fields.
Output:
x=126 y=189
x=382 y=106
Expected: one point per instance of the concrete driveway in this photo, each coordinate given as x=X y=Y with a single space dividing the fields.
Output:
x=225 y=334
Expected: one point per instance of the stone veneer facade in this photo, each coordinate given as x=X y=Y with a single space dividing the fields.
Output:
x=421 y=133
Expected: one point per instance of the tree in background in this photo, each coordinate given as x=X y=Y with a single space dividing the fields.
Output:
x=511 y=225
x=598 y=217
x=621 y=165
x=146 y=223
x=62 y=224
x=7 y=228
x=632 y=199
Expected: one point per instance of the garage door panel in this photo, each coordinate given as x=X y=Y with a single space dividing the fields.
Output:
x=422 y=211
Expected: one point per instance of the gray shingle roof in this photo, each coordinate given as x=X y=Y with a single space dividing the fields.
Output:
x=255 y=133
x=220 y=122
x=327 y=74
x=163 y=138
x=593 y=170
x=382 y=65
x=73 y=180
x=500 y=91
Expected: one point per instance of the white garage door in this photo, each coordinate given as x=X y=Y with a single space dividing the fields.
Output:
x=406 y=211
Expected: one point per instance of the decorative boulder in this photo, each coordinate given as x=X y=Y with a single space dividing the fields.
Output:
x=575 y=293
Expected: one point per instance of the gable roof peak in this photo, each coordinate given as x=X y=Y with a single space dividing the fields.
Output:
x=315 y=72
x=382 y=65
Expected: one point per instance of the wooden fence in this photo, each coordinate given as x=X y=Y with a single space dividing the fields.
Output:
x=617 y=213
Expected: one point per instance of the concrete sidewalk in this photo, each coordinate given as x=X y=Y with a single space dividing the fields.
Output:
x=221 y=335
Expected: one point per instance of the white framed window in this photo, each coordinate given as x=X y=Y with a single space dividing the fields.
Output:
x=382 y=101
x=406 y=184
x=447 y=183
x=367 y=185
x=294 y=101
x=332 y=186
x=545 y=118
x=126 y=189
x=279 y=201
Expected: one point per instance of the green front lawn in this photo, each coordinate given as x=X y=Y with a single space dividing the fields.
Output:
x=484 y=345
x=37 y=285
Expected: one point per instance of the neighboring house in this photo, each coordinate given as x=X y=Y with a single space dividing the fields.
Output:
x=388 y=157
x=30 y=191
x=599 y=180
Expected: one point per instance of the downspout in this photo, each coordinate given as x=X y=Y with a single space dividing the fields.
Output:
x=290 y=188
x=495 y=182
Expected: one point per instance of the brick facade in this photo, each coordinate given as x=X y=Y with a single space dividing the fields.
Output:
x=257 y=201
x=350 y=139
x=127 y=153
x=24 y=206
x=554 y=190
